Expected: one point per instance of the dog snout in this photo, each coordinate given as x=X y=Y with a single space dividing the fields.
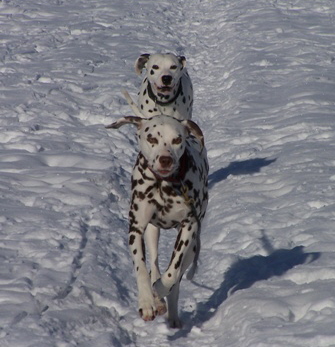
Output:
x=166 y=79
x=165 y=161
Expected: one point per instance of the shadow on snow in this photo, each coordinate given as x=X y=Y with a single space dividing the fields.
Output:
x=242 y=274
x=236 y=168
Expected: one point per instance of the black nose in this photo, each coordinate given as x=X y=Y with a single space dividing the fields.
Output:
x=165 y=161
x=167 y=80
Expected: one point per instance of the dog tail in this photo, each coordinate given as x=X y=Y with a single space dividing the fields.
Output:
x=131 y=103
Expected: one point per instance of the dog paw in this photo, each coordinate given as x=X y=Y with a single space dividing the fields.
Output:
x=160 y=306
x=175 y=323
x=147 y=310
x=147 y=314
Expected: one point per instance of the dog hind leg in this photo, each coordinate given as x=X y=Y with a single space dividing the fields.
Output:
x=172 y=299
x=181 y=259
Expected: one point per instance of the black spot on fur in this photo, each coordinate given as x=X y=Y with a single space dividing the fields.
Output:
x=196 y=195
x=172 y=257
x=169 y=191
x=148 y=189
x=181 y=243
x=177 y=241
x=178 y=263
x=133 y=229
x=189 y=184
x=131 y=215
x=141 y=195
x=132 y=239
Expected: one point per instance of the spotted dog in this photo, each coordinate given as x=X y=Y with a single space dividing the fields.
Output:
x=166 y=87
x=169 y=190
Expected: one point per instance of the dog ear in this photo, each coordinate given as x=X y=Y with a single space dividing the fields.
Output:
x=182 y=60
x=140 y=63
x=125 y=120
x=195 y=130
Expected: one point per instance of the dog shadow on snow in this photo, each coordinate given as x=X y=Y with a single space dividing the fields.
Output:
x=242 y=274
x=237 y=168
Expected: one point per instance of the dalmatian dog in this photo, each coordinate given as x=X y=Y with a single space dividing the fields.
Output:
x=169 y=190
x=166 y=87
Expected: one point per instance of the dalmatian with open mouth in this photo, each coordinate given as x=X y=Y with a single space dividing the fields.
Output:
x=169 y=190
x=166 y=87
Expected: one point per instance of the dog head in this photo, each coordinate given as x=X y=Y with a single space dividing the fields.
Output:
x=162 y=140
x=163 y=72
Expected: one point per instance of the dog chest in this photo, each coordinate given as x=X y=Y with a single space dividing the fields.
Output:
x=167 y=205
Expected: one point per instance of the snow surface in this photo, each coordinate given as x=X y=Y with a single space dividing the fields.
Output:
x=264 y=79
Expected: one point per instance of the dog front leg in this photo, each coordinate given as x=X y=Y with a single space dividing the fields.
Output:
x=151 y=241
x=151 y=237
x=146 y=301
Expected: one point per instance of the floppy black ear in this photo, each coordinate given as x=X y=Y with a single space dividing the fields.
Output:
x=195 y=130
x=140 y=63
x=182 y=60
x=125 y=120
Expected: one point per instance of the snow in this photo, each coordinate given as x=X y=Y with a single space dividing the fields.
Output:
x=264 y=79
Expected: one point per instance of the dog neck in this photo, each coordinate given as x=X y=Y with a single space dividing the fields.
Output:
x=178 y=176
x=154 y=97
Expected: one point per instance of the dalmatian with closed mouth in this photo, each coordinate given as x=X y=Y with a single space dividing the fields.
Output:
x=169 y=190
x=166 y=87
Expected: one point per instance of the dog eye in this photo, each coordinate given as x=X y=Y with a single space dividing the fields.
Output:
x=177 y=141
x=152 y=140
x=173 y=67
x=155 y=67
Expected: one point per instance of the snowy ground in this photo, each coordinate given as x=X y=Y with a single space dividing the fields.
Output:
x=264 y=79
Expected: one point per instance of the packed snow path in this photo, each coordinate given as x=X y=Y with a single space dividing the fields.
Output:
x=264 y=79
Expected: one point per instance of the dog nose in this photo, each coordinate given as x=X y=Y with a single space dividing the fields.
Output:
x=166 y=79
x=165 y=161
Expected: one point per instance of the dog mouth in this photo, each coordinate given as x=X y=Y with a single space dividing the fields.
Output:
x=164 y=172
x=164 y=89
